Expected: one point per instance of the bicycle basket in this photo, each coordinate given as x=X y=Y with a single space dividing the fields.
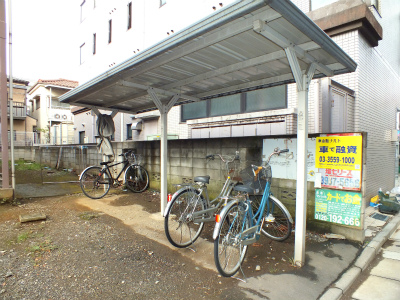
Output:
x=135 y=159
x=256 y=183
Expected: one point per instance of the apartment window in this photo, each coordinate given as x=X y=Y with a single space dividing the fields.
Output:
x=82 y=55
x=227 y=105
x=94 y=43
x=258 y=100
x=83 y=10
x=195 y=110
x=129 y=25
x=162 y=2
x=109 y=31
x=266 y=99
x=37 y=102
x=128 y=131
x=315 y=4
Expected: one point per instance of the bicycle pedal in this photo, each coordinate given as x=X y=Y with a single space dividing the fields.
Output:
x=270 y=218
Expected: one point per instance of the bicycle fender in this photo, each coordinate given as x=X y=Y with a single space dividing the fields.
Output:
x=173 y=197
x=80 y=176
x=284 y=208
x=222 y=215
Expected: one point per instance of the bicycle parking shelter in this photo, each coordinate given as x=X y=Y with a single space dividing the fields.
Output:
x=247 y=45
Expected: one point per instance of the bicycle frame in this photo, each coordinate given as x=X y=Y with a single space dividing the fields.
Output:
x=252 y=234
x=206 y=215
x=106 y=169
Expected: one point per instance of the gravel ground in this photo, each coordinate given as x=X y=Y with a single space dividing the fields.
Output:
x=81 y=254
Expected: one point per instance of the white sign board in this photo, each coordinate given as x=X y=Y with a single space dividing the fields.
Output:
x=285 y=165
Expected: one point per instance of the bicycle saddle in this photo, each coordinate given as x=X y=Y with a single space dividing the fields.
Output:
x=204 y=179
x=244 y=188
x=105 y=163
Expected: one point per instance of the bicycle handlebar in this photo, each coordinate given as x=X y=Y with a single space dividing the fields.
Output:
x=125 y=154
x=276 y=151
x=212 y=156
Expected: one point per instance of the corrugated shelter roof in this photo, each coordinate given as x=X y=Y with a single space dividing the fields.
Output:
x=245 y=46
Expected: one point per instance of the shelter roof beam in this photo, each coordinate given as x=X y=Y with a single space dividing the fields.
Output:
x=268 y=32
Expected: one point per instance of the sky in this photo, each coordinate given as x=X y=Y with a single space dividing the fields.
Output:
x=43 y=44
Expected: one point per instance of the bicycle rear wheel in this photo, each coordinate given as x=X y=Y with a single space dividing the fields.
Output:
x=94 y=183
x=179 y=227
x=229 y=251
x=277 y=225
x=136 y=178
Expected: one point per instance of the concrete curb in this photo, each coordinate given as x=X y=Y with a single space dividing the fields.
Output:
x=336 y=291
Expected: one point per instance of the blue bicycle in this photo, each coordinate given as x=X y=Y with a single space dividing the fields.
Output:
x=246 y=216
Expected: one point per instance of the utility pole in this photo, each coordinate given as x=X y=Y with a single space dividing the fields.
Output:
x=3 y=95
x=11 y=102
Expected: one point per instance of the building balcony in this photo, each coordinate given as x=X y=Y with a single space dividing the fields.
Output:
x=19 y=110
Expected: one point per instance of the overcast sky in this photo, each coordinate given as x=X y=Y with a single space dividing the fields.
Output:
x=43 y=39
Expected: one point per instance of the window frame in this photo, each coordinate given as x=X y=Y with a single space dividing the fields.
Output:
x=109 y=31
x=83 y=8
x=129 y=7
x=243 y=99
x=129 y=135
x=94 y=44
x=82 y=56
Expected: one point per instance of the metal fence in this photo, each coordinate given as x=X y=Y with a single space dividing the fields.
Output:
x=22 y=138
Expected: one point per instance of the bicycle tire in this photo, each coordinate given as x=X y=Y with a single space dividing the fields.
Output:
x=179 y=228
x=278 y=227
x=94 y=183
x=229 y=252
x=136 y=178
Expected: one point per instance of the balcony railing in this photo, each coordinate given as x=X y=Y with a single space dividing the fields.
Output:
x=19 y=110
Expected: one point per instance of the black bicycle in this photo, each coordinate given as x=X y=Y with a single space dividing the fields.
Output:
x=96 y=181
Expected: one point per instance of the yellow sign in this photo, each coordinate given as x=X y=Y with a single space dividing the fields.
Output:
x=339 y=152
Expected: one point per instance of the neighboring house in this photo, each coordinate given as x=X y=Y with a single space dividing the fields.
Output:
x=55 y=120
x=367 y=100
x=24 y=123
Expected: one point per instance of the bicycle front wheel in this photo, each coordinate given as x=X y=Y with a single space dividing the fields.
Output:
x=277 y=225
x=137 y=178
x=229 y=251
x=94 y=183
x=179 y=227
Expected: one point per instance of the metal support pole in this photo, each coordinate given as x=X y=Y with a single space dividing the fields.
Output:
x=301 y=183
x=164 y=109
x=3 y=95
x=164 y=155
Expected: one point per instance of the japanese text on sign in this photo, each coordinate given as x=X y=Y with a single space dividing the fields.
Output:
x=340 y=207
x=341 y=179
x=339 y=152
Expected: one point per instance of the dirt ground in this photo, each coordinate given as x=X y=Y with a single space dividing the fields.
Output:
x=80 y=252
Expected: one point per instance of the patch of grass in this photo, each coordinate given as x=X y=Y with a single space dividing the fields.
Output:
x=291 y=261
x=39 y=248
x=273 y=270
x=22 y=165
x=88 y=215
x=23 y=237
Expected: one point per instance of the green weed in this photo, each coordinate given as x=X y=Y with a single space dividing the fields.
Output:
x=87 y=215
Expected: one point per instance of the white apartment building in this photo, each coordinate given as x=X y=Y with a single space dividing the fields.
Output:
x=112 y=31
x=367 y=100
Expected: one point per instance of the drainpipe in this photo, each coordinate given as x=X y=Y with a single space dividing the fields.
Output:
x=11 y=100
